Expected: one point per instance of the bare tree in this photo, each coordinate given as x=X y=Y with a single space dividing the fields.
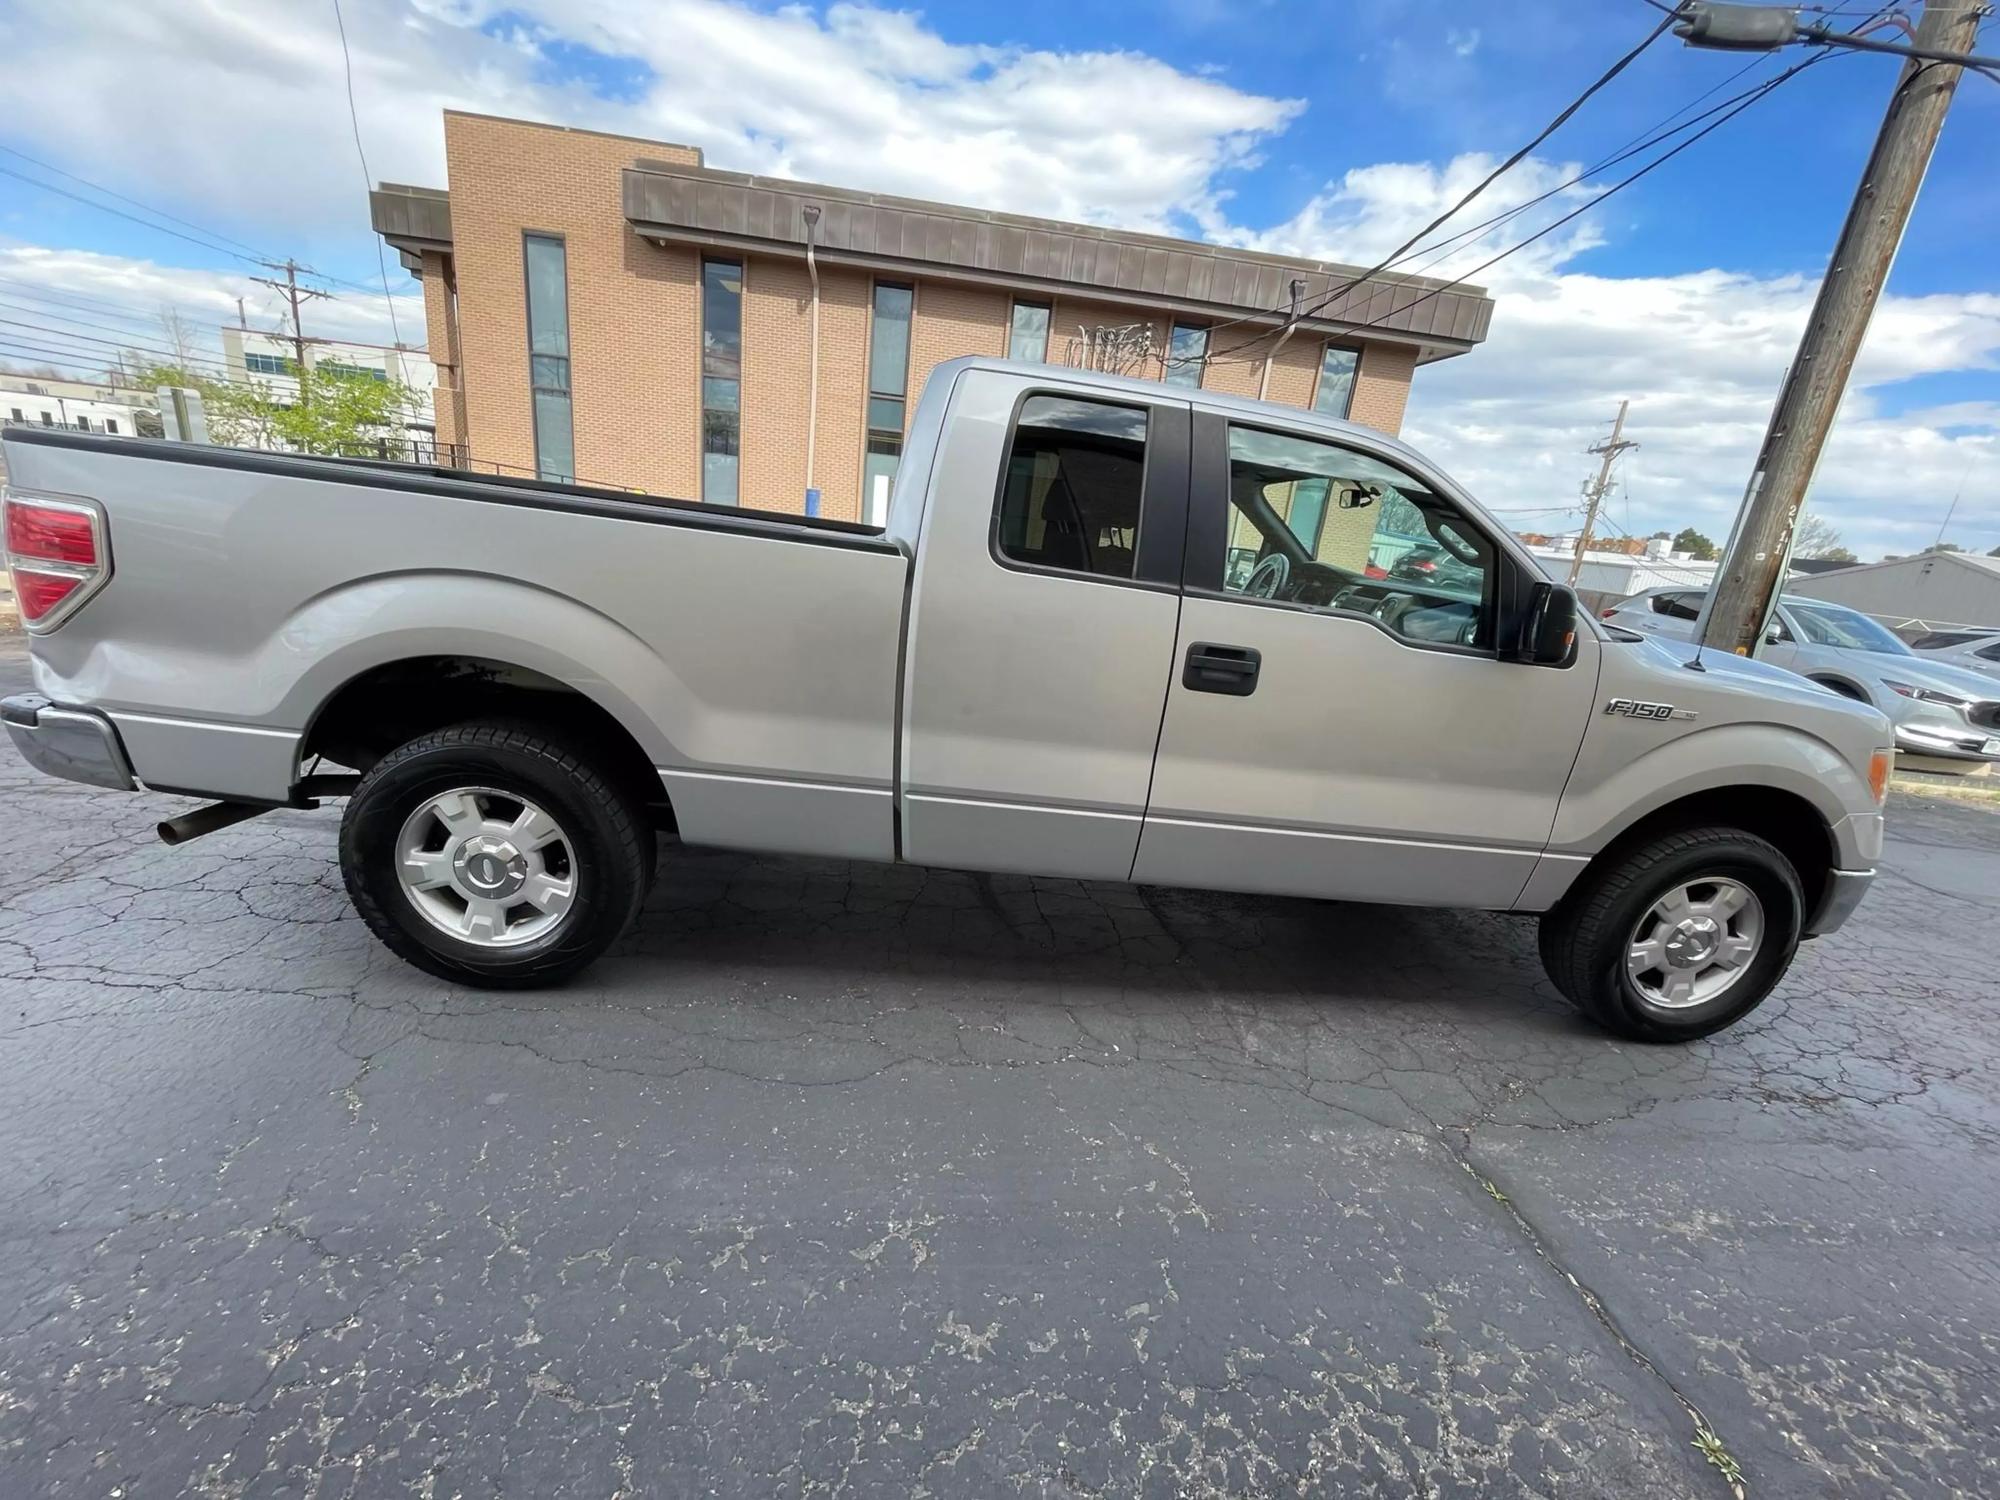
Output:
x=1815 y=537
x=180 y=337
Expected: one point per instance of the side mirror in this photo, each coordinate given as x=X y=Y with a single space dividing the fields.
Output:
x=1548 y=627
x=1774 y=635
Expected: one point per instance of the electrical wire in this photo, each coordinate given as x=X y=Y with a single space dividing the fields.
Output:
x=132 y=346
x=136 y=203
x=209 y=244
x=49 y=187
x=1446 y=247
x=367 y=177
x=1561 y=118
x=1760 y=92
x=85 y=323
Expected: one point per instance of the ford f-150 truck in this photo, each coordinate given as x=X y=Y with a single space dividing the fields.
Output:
x=1111 y=630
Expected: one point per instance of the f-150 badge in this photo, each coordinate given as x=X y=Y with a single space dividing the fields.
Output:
x=1632 y=709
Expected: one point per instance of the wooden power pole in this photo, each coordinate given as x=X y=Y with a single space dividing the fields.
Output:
x=1599 y=488
x=1753 y=572
x=294 y=295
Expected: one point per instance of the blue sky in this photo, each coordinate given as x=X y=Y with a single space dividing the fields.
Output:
x=1309 y=127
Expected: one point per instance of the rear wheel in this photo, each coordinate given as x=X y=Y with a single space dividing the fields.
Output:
x=494 y=854
x=1678 y=937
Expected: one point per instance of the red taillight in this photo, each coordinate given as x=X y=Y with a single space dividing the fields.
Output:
x=56 y=553
x=1605 y=614
x=38 y=593
x=1424 y=565
x=45 y=534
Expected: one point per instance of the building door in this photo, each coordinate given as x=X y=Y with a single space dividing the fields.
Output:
x=1042 y=628
x=1339 y=721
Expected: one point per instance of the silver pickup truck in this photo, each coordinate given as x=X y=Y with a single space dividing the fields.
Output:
x=1112 y=630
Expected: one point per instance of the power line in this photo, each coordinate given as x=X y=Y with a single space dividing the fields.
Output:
x=122 y=198
x=1632 y=148
x=134 y=346
x=105 y=306
x=1758 y=93
x=86 y=359
x=1561 y=118
x=49 y=187
x=243 y=254
x=367 y=177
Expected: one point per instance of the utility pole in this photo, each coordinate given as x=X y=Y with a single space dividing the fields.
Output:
x=294 y=295
x=1599 y=487
x=1753 y=572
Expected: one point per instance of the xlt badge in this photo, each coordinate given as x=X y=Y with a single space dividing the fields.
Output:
x=1633 y=709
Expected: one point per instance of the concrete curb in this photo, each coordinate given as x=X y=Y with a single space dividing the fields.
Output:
x=1960 y=788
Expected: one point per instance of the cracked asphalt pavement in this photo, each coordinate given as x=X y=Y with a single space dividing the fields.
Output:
x=844 y=1179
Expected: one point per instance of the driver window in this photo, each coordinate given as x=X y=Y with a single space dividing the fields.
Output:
x=1319 y=525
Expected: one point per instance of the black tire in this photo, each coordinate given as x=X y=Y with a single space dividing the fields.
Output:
x=1584 y=939
x=605 y=830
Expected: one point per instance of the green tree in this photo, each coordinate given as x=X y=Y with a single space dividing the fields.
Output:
x=335 y=411
x=1694 y=544
x=1839 y=555
x=1944 y=547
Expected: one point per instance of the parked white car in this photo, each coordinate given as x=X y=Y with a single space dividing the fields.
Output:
x=1938 y=707
x=1974 y=650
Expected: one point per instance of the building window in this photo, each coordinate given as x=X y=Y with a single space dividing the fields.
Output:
x=1336 y=381
x=1187 y=354
x=341 y=371
x=888 y=385
x=548 y=355
x=111 y=427
x=17 y=414
x=721 y=381
x=47 y=420
x=1073 y=481
x=267 y=364
x=1030 y=337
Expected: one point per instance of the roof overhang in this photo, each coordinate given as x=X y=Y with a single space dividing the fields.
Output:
x=727 y=211
x=413 y=220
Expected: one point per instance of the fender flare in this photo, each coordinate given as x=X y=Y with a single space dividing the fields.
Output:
x=339 y=636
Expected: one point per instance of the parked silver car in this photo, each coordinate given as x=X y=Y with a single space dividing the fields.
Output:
x=1975 y=650
x=1938 y=708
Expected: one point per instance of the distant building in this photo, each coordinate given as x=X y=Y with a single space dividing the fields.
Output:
x=266 y=359
x=79 y=405
x=615 y=310
x=1933 y=589
x=1607 y=576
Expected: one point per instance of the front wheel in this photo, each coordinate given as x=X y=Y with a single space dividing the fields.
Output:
x=491 y=855
x=1678 y=937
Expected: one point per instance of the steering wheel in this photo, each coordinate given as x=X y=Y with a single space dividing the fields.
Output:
x=1268 y=579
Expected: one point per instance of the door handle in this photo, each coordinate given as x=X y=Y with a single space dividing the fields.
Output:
x=1231 y=670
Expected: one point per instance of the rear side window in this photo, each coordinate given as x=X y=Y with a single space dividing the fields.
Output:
x=1989 y=653
x=1678 y=606
x=1075 y=472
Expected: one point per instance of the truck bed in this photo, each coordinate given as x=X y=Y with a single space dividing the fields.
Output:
x=753 y=655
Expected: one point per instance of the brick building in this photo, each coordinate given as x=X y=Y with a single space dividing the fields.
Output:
x=611 y=310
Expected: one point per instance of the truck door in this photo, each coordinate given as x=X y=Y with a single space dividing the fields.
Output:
x=1041 y=631
x=1339 y=722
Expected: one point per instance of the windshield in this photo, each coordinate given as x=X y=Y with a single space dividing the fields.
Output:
x=1830 y=625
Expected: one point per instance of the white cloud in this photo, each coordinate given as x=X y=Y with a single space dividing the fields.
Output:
x=247 y=130
x=1700 y=354
x=81 y=309
x=256 y=112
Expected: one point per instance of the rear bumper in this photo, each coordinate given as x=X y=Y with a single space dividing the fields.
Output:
x=73 y=743
x=1844 y=890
